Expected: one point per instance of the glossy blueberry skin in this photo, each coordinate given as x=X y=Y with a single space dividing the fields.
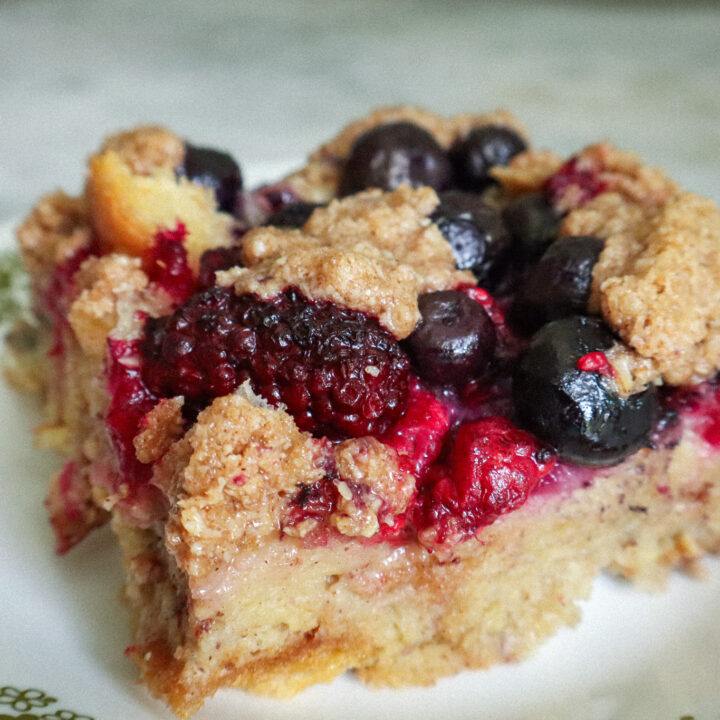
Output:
x=395 y=154
x=454 y=340
x=580 y=413
x=293 y=215
x=533 y=224
x=558 y=285
x=214 y=169
x=481 y=149
x=475 y=233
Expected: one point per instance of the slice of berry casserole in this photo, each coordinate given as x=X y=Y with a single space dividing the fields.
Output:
x=392 y=413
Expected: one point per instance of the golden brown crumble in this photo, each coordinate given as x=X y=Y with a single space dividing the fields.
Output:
x=620 y=171
x=56 y=228
x=371 y=487
x=160 y=428
x=527 y=171
x=105 y=285
x=147 y=148
x=246 y=461
x=397 y=224
x=657 y=283
x=318 y=181
x=372 y=252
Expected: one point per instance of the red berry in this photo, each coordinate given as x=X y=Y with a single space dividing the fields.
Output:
x=130 y=400
x=313 y=502
x=418 y=435
x=167 y=265
x=574 y=184
x=338 y=371
x=492 y=470
x=495 y=465
x=57 y=294
x=596 y=362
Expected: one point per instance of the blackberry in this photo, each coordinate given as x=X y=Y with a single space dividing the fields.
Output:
x=338 y=371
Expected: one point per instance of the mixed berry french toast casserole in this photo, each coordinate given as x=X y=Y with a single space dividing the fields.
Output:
x=392 y=413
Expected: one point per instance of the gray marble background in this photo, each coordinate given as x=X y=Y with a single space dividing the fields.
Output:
x=270 y=79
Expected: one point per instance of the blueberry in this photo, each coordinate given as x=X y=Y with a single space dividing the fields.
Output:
x=216 y=170
x=390 y=155
x=558 y=285
x=475 y=232
x=454 y=340
x=532 y=223
x=481 y=149
x=579 y=412
x=293 y=215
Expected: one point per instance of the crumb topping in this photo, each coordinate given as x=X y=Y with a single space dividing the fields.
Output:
x=657 y=283
x=160 y=428
x=108 y=288
x=372 y=489
x=57 y=227
x=244 y=464
x=372 y=252
x=147 y=148
x=617 y=170
x=527 y=171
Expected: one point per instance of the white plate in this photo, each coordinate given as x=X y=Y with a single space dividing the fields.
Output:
x=63 y=631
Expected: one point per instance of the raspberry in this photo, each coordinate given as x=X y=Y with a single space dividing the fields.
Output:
x=574 y=184
x=139 y=500
x=168 y=264
x=58 y=291
x=596 y=362
x=130 y=400
x=418 y=435
x=313 y=502
x=493 y=468
x=338 y=371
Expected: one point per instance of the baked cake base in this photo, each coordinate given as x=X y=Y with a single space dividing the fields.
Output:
x=398 y=615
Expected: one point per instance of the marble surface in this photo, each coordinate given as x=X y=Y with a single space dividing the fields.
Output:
x=270 y=79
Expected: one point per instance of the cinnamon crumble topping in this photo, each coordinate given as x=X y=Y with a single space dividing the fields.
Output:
x=147 y=148
x=373 y=252
x=657 y=282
